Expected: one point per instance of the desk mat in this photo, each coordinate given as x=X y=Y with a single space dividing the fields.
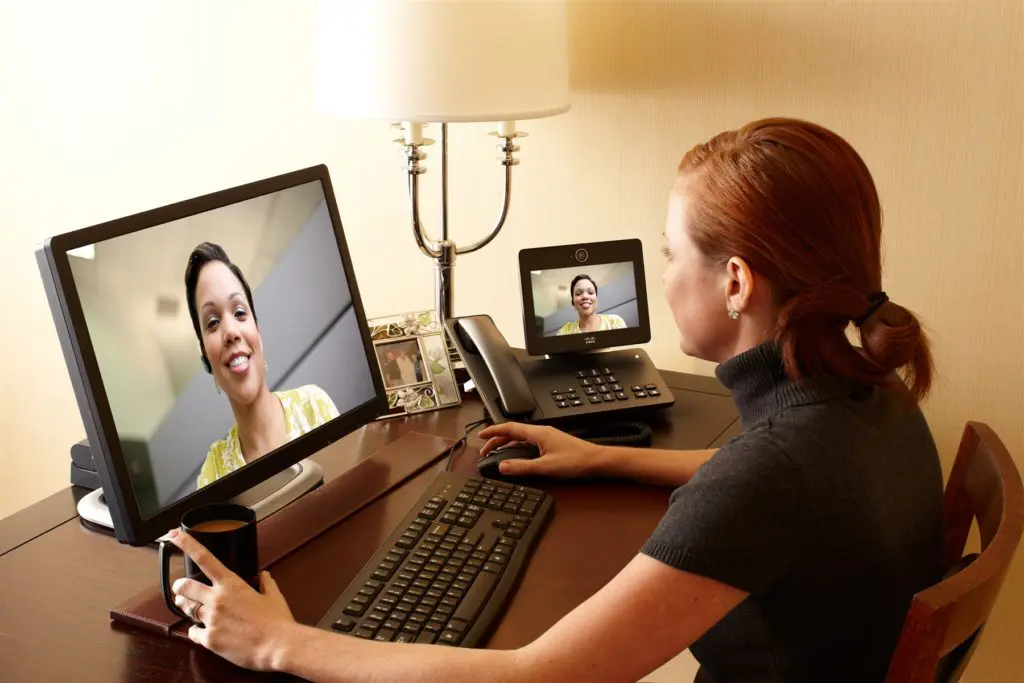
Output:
x=285 y=531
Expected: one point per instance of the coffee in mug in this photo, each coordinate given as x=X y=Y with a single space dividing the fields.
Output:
x=228 y=530
x=218 y=525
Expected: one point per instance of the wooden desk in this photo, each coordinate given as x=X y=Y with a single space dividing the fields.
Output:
x=58 y=580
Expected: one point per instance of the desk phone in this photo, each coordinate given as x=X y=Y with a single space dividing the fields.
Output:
x=577 y=299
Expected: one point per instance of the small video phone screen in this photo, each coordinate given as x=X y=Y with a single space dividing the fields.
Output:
x=577 y=297
x=221 y=337
x=578 y=300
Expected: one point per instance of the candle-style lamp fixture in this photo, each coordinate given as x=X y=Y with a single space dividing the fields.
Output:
x=444 y=61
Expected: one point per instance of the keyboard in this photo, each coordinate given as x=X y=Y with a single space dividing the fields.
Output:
x=445 y=572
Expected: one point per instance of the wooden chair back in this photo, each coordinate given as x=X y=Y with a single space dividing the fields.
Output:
x=944 y=621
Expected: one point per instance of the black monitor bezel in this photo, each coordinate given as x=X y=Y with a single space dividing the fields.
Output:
x=129 y=524
x=569 y=256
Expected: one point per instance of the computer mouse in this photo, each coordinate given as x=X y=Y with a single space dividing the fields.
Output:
x=488 y=465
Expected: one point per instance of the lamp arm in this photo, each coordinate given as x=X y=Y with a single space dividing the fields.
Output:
x=429 y=246
x=480 y=244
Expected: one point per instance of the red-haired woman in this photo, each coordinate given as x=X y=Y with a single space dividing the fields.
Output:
x=789 y=554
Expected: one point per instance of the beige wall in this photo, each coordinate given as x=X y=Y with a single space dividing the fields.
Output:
x=122 y=107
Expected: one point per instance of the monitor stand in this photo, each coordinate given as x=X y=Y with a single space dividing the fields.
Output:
x=265 y=498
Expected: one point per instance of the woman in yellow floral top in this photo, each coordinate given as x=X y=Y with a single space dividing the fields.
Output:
x=231 y=349
x=584 y=299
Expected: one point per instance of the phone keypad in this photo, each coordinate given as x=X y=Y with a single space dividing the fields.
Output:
x=600 y=386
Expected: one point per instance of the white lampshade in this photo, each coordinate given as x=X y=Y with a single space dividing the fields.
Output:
x=443 y=60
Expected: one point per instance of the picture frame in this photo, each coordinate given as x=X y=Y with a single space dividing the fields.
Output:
x=413 y=361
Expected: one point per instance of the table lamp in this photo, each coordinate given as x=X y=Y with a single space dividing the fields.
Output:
x=444 y=61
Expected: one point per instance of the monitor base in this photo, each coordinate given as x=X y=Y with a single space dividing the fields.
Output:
x=265 y=498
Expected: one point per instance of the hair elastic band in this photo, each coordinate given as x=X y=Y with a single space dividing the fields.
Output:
x=877 y=300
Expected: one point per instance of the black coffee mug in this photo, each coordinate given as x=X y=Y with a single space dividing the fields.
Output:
x=228 y=531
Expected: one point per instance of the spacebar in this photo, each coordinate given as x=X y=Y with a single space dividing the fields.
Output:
x=476 y=598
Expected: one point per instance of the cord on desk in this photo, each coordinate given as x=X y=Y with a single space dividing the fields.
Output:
x=637 y=434
x=462 y=442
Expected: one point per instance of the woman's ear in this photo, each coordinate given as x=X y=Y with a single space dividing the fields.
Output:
x=739 y=284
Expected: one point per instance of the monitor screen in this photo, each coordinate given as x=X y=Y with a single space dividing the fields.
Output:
x=579 y=297
x=221 y=337
x=584 y=299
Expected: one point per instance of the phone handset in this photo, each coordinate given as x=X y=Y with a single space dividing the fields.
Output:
x=480 y=337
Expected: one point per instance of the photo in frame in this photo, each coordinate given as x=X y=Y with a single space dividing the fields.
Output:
x=412 y=356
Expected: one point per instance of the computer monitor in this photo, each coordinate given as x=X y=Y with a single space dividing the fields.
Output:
x=171 y=372
x=583 y=297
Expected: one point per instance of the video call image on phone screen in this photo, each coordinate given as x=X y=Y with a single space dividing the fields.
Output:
x=270 y=315
x=584 y=299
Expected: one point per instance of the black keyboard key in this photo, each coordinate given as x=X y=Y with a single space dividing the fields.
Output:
x=405 y=638
x=476 y=597
x=595 y=399
x=450 y=638
x=363 y=633
x=621 y=395
x=581 y=373
x=653 y=392
x=384 y=635
x=594 y=372
x=611 y=378
x=434 y=625
x=576 y=402
x=344 y=625
x=393 y=624
x=608 y=398
x=428 y=637
x=641 y=394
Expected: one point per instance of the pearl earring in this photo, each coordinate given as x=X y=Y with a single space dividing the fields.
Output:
x=734 y=314
x=216 y=386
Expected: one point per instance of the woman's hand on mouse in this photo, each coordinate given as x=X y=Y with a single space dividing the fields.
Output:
x=561 y=455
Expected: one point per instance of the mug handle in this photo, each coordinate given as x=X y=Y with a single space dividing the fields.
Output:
x=165 y=580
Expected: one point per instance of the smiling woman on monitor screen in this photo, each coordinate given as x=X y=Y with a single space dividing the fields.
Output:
x=220 y=304
x=583 y=291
